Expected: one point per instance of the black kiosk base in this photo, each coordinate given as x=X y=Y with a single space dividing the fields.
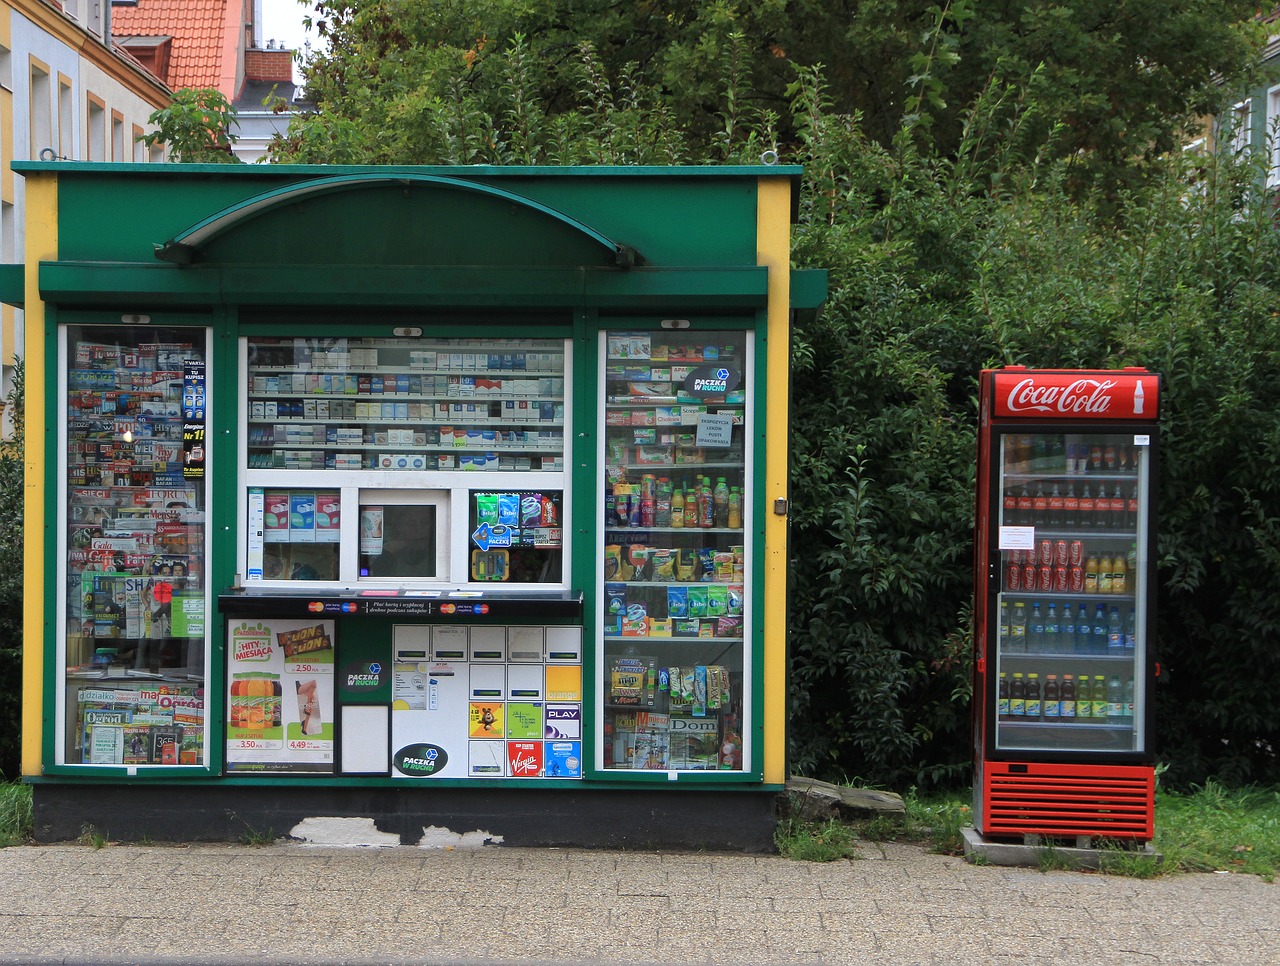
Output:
x=632 y=818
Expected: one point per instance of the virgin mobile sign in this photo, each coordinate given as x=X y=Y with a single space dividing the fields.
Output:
x=1029 y=394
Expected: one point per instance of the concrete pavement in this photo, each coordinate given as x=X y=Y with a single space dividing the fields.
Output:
x=292 y=903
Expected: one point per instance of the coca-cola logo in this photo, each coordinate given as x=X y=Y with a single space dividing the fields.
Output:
x=1081 y=396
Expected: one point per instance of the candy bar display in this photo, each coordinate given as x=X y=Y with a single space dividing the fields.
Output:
x=674 y=554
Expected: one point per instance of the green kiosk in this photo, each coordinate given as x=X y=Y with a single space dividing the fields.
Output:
x=449 y=498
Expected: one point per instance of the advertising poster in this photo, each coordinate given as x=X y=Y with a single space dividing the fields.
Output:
x=281 y=701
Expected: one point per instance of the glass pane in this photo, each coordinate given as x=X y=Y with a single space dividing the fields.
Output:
x=398 y=541
x=1072 y=617
x=135 y=590
x=676 y=496
x=516 y=536
x=406 y=404
x=300 y=532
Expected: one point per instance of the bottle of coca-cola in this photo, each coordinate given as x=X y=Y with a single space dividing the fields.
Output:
x=1071 y=508
x=1086 y=508
x=1040 y=506
x=1024 y=507
x=1055 y=506
x=1102 y=510
x=1119 y=509
x=1131 y=509
x=1009 y=504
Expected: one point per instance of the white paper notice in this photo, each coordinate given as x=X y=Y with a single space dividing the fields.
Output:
x=1017 y=538
x=715 y=430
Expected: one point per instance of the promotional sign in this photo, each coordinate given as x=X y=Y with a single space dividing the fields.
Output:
x=1033 y=394
x=281 y=696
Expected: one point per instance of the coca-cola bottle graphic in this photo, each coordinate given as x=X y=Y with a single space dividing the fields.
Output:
x=1138 y=399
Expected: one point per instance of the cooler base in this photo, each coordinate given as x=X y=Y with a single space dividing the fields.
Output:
x=1066 y=801
x=1033 y=853
x=636 y=818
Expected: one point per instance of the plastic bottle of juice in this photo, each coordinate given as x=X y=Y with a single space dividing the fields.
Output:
x=1033 y=696
x=1067 y=700
x=720 y=501
x=677 y=508
x=1018 y=697
x=691 y=508
x=1099 y=698
x=735 y=508
x=1084 y=699
x=1051 y=703
x=1002 y=697
x=1018 y=628
x=706 y=508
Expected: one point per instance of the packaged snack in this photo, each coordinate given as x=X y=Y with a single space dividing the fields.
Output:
x=685 y=627
x=664 y=679
x=509 y=509
x=686 y=564
x=663 y=564
x=615 y=604
x=717 y=600
x=697 y=597
x=707 y=563
x=659 y=628
x=637 y=610
x=531 y=510
x=700 y=691
x=612 y=561
x=686 y=683
x=487 y=508
x=713 y=689
x=729 y=627
x=638 y=558
x=707 y=629
x=677 y=602
x=550 y=512
x=735 y=600
x=724 y=567
x=635 y=628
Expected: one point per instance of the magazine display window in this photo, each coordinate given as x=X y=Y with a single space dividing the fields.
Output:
x=135 y=597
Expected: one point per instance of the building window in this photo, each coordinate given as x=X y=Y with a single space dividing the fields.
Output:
x=117 y=137
x=1273 y=135
x=41 y=109
x=1241 y=129
x=66 y=118
x=96 y=138
x=139 y=149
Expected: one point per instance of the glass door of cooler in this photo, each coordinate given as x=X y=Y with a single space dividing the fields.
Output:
x=676 y=482
x=1073 y=539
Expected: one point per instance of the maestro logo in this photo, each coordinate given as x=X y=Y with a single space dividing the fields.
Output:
x=363 y=677
x=421 y=760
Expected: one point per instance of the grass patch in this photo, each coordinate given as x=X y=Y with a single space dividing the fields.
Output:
x=16 y=823
x=816 y=841
x=1213 y=828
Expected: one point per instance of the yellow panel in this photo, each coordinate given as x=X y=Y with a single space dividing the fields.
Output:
x=773 y=244
x=42 y=245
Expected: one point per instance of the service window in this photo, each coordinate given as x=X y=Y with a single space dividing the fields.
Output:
x=403 y=461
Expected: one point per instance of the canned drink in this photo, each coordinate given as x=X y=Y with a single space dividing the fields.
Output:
x=1046 y=553
x=648 y=509
x=1013 y=577
x=1060 y=580
x=1075 y=579
x=1061 y=554
x=1044 y=579
x=1029 y=577
x=1076 y=553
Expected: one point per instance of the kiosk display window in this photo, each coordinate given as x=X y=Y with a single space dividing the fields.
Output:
x=675 y=567
x=133 y=551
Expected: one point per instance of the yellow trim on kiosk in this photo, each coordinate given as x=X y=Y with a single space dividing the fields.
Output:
x=773 y=247
x=42 y=245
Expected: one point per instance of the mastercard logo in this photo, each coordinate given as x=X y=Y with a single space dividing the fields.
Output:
x=316 y=607
x=448 y=608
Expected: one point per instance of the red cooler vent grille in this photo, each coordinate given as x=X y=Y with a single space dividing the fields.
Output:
x=1066 y=802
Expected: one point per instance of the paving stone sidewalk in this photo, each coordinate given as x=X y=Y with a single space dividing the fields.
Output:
x=291 y=903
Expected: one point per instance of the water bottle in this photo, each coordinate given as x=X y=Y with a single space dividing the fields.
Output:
x=1115 y=699
x=1035 y=631
x=1128 y=699
x=1084 y=631
x=1018 y=628
x=1050 y=642
x=1099 y=645
x=1131 y=631
x=1115 y=633
x=1067 y=630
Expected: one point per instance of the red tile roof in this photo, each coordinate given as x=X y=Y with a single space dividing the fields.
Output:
x=208 y=36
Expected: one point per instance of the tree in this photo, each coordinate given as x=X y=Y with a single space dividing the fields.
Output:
x=11 y=562
x=196 y=126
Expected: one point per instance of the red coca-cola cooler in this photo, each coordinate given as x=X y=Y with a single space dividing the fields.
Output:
x=1064 y=603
